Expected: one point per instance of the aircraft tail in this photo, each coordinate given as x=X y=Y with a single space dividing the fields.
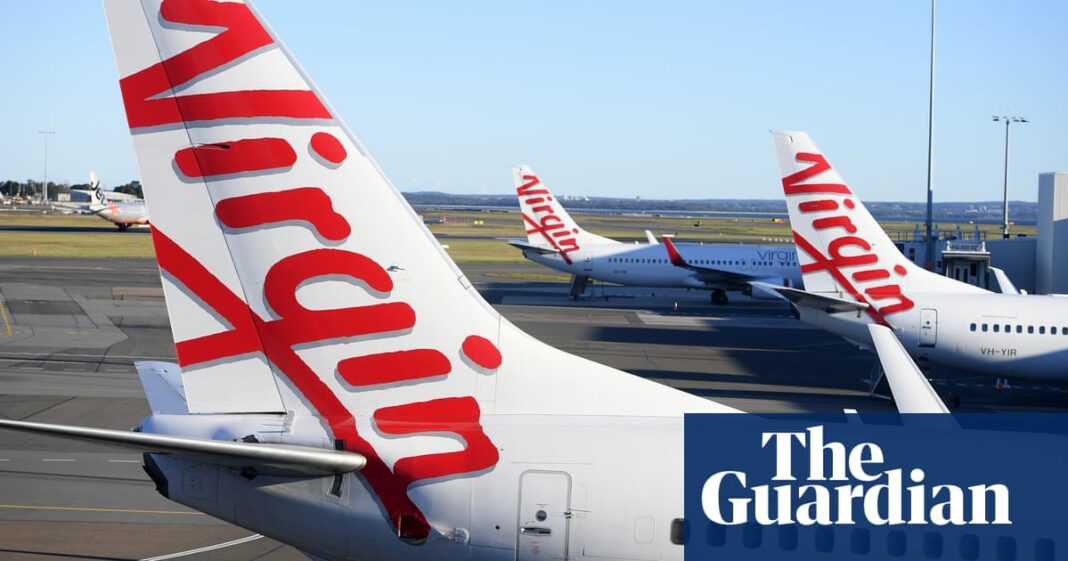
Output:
x=842 y=249
x=99 y=198
x=546 y=221
x=331 y=299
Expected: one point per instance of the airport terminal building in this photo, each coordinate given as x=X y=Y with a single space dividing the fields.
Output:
x=1031 y=263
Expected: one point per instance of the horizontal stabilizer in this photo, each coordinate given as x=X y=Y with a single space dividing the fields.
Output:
x=162 y=382
x=912 y=392
x=828 y=304
x=286 y=458
x=544 y=250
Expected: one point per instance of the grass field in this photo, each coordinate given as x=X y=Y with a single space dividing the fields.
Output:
x=714 y=230
x=102 y=240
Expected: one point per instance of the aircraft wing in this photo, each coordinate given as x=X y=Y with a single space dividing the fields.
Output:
x=912 y=392
x=544 y=250
x=828 y=304
x=705 y=274
x=288 y=458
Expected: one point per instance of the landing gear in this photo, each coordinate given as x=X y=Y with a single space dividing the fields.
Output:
x=578 y=286
x=719 y=297
x=123 y=227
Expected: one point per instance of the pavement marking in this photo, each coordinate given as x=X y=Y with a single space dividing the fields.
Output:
x=7 y=321
x=89 y=509
x=205 y=549
x=58 y=460
x=124 y=461
x=98 y=357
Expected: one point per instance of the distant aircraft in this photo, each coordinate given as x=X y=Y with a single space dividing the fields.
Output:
x=854 y=276
x=343 y=388
x=555 y=240
x=122 y=214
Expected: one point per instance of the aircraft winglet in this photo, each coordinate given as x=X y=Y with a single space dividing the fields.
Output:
x=912 y=392
x=674 y=255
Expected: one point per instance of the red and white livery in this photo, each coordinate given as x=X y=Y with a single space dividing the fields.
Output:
x=854 y=275
x=341 y=387
x=555 y=240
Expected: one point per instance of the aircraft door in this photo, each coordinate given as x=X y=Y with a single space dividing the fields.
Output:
x=544 y=516
x=587 y=264
x=928 y=327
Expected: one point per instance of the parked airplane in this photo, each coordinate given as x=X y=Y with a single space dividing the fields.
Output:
x=342 y=387
x=854 y=275
x=555 y=240
x=122 y=214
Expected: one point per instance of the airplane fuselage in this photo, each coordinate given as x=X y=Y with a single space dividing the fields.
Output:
x=648 y=264
x=566 y=486
x=122 y=214
x=999 y=334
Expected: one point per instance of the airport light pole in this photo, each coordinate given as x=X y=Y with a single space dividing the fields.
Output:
x=929 y=242
x=1008 y=120
x=44 y=186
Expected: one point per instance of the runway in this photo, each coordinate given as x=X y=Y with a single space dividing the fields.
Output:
x=72 y=329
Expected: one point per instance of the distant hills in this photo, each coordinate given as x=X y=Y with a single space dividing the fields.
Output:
x=1020 y=212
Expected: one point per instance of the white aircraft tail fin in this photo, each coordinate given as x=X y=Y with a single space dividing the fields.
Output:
x=298 y=279
x=99 y=199
x=545 y=219
x=841 y=248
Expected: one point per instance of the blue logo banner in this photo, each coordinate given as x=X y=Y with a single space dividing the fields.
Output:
x=966 y=487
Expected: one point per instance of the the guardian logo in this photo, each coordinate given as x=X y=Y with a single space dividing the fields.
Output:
x=845 y=486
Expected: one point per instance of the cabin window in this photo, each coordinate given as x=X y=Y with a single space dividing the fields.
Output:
x=1044 y=550
x=969 y=547
x=1008 y=328
x=896 y=543
x=716 y=535
x=1064 y=331
x=972 y=327
x=860 y=541
x=679 y=531
x=1042 y=330
x=984 y=328
x=1006 y=548
x=824 y=539
x=1052 y=330
x=1019 y=329
x=997 y=328
x=788 y=538
x=932 y=545
x=1030 y=329
x=752 y=535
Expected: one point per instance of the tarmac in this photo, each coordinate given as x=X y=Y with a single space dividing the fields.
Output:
x=71 y=329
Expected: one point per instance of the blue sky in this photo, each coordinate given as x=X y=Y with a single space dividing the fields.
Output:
x=661 y=100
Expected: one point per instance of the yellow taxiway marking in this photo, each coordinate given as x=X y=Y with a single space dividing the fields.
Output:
x=88 y=509
x=7 y=321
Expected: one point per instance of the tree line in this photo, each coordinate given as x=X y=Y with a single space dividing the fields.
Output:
x=32 y=189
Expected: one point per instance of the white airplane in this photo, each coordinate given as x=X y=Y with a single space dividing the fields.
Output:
x=854 y=275
x=122 y=214
x=555 y=240
x=342 y=386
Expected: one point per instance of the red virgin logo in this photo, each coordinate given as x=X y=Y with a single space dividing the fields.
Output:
x=290 y=324
x=850 y=259
x=544 y=220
